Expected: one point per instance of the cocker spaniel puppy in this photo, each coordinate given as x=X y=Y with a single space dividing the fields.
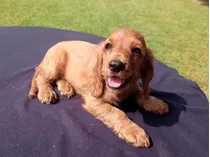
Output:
x=104 y=75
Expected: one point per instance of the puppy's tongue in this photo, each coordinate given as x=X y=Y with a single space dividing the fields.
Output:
x=115 y=82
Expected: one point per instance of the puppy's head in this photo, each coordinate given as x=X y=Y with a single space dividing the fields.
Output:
x=126 y=59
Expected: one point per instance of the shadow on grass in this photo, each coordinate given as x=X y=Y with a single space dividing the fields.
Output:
x=202 y=2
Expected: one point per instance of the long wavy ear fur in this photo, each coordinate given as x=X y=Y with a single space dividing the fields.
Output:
x=147 y=72
x=95 y=81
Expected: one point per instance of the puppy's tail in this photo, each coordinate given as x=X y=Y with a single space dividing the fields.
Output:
x=34 y=88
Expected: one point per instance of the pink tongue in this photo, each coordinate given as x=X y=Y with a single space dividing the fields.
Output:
x=115 y=82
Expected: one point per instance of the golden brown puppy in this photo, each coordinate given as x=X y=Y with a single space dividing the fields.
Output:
x=104 y=75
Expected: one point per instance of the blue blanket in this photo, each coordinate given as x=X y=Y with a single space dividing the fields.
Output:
x=31 y=129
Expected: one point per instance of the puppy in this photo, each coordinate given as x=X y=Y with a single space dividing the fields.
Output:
x=104 y=75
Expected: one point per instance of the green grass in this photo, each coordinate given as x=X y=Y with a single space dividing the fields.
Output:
x=176 y=30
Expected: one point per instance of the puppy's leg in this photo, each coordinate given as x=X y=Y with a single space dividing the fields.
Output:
x=46 y=93
x=65 y=88
x=34 y=89
x=51 y=68
x=118 y=121
x=152 y=104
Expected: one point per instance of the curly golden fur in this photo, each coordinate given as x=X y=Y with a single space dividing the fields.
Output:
x=104 y=75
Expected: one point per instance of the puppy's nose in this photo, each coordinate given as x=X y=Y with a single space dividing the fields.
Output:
x=116 y=66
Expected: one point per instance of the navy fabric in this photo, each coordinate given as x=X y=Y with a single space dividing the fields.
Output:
x=31 y=129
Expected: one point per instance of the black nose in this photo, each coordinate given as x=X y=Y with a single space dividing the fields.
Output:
x=116 y=66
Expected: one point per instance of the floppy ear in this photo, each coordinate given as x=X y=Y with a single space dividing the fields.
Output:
x=96 y=83
x=147 y=72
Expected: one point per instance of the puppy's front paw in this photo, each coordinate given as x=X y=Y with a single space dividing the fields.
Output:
x=65 y=88
x=31 y=95
x=67 y=91
x=48 y=96
x=155 y=105
x=135 y=136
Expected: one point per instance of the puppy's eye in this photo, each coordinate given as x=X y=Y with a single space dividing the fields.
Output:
x=108 y=46
x=136 y=50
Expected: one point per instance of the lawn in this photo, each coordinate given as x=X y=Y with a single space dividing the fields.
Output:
x=176 y=30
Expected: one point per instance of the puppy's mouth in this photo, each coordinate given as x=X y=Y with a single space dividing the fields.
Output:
x=115 y=82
